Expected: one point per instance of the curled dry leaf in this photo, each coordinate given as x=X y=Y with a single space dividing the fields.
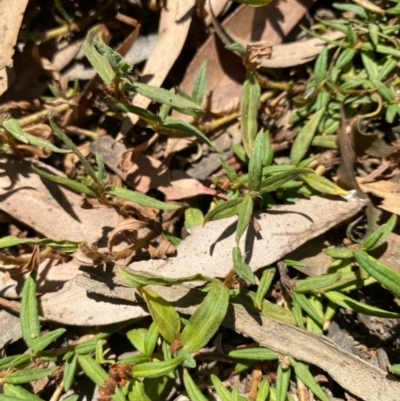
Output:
x=256 y=53
x=130 y=224
x=164 y=249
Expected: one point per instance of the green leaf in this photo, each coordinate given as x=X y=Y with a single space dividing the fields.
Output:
x=339 y=253
x=87 y=347
x=353 y=8
x=206 y=320
x=156 y=369
x=277 y=180
x=13 y=393
x=199 y=85
x=302 y=371
x=114 y=58
x=245 y=211
x=14 y=361
x=27 y=375
x=377 y=237
x=239 y=151
x=263 y=390
x=142 y=113
x=323 y=185
x=255 y=354
x=382 y=273
x=344 y=301
x=263 y=287
x=304 y=138
x=257 y=159
x=76 y=186
x=138 y=393
x=140 y=199
x=224 y=210
x=136 y=337
x=345 y=57
x=164 y=315
x=242 y=269
x=92 y=369
x=395 y=369
x=101 y=172
x=29 y=317
x=306 y=305
x=313 y=326
x=161 y=95
x=69 y=371
x=151 y=338
x=321 y=66
x=314 y=283
x=13 y=127
x=193 y=217
x=193 y=391
x=98 y=61
x=249 y=108
x=88 y=168
x=282 y=382
x=176 y=124
x=43 y=341
x=221 y=390
x=373 y=30
x=230 y=172
x=141 y=279
x=62 y=245
x=236 y=47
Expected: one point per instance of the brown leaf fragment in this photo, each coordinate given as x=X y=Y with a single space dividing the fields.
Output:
x=130 y=224
x=387 y=190
x=256 y=53
x=49 y=208
x=163 y=249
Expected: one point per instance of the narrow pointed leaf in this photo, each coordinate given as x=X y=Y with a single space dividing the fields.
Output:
x=193 y=217
x=69 y=371
x=92 y=369
x=29 y=317
x=193 y=391
x=43 y=341
x=302 y=371
x=263 y=287
x=282 y=382
x=378 y=236
x=138 y=393
x=385 y=275
x=263 y=390
x=306 y=305
x=249 y=107
x=277 y=180
x=140 y=199
x=224 y=210
x=142 y=113
x=98 y=61
x=257 y=159
x=14 y=361
x=13 y=392
x=136 y=337
x=164 y=315
x=304 y=137
x=312 y=284
x=206 y=320
x=199 y=85
x=151 y=338
x=156 y=369
x=339 y=253
x=87 y=347
x=360 y=307
x=245 y=212
x=27 y=375
x=14 y=128
x=161 y=95
x=174 y=123
x=221 y=390
x=230 y=172
x=241 y=268
x=255 y=354
x=323 y=185
x=76 y=186
x=88 y=168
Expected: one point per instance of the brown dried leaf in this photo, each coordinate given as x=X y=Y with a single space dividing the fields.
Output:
x=125 y=225
x=47 y=207
x=387 y=190
x=164 y=249
x=11 y=13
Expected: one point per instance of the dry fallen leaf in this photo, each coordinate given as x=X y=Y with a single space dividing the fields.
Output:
x=173 y=28
x=11 y=13
x=387 y=190
x=49 y=208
